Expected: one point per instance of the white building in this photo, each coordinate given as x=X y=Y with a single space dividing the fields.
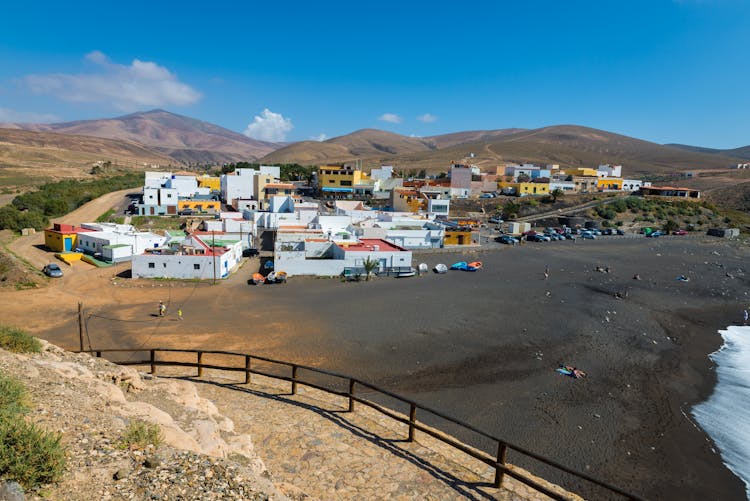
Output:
x=200 y=256
x=633 y=184
x=117 y=242
x=186 y=186
x=607 y=170
x=382 y=173
x=309 y=253
x=406 y=233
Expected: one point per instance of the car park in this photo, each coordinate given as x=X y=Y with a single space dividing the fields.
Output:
x=507 y=239
x=53 y=270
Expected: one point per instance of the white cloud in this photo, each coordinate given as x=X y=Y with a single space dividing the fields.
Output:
x=269 y=126
x=427 y=118
x=320 y=137
x=141 y=84
x=390 y=117
x=8 y=115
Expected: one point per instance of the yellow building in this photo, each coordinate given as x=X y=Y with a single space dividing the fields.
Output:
x=62 y=237
x=609 y=183
x=407 y=200
x=461 y=237
x=334 y=178
x=199 y=205
x=278 y=189
x=259 y=188
x=527 y=188
x=212 y=183
x=582 y=171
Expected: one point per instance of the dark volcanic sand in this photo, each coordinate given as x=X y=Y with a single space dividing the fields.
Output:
x=483 y=346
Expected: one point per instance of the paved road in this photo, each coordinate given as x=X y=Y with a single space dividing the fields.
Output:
x=571 y=210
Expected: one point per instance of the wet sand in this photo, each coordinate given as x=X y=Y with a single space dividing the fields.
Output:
x=483 y=346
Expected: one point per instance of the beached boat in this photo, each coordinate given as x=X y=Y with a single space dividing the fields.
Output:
x=461 y=265
x=258 y=279
x=280 y=277
x=423 y=268
x=406 y=273
x=440 y=268
x=474 y=266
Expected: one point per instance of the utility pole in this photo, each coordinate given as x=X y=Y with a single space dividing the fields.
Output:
x=80 y=325
x=213 y=252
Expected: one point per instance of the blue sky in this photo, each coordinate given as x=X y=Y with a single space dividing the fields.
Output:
x=661 y=70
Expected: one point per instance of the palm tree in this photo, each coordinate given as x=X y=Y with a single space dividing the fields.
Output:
x=370 y=265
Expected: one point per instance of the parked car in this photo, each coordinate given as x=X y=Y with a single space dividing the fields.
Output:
x=186 y=212
x=507 y=239
x=608 y=231
x=655 y=234
x=52 y=270
x=495 y=220
x=539 y=238
x=680 y=232
x=620 y=232
x=486 y=195
x=588 y=235
x=569 y=236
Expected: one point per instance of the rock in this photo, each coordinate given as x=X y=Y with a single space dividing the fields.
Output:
x=11 y=491
x=152 y=462
x=121 y=473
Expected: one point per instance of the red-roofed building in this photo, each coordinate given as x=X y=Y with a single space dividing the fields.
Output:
x=63 y=237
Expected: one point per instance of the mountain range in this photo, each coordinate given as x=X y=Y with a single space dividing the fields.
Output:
x=169 y=138
x=184 y=139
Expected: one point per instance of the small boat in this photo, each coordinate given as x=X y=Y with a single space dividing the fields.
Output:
x=474 y=266
x=280 y=277
x=423 y=268
x=440 y=268
x=408 y=273
x=258 y=279
x=461 y=265
x=271 y=278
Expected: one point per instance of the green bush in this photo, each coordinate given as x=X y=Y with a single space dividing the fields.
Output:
x=140 y=434
x=17 y=341
x=13 y=398
x=28 y=454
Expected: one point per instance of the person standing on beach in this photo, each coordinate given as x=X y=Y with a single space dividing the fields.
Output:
x=179 y=313
x=546 y=271
x=162 y=308
x=744 y=316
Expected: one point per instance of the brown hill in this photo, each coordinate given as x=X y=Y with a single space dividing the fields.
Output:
x=185 y=139
x=741 y=152
x=567 y=145
x=365 y=143
x=26 y=156
x=473 y=136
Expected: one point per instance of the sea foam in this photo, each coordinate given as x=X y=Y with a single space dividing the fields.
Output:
x=725 y=416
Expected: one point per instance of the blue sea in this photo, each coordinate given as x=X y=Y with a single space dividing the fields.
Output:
x=725 y=416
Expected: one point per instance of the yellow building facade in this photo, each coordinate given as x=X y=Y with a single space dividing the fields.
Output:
x=526 y=188
x=212 y=183
x=609 y=183
x=199 y=205
x=334 y=177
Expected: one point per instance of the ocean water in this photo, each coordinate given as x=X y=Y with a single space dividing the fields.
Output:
x=725 y=416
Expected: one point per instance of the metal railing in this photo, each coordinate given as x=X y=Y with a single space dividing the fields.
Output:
x=497 y=461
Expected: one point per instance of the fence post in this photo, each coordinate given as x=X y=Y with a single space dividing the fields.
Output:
x=502 y=451
x=351 y=395
x=412 y=419
x=294 y=379
x=153 y=362
x=247 y=369
x=200 y=363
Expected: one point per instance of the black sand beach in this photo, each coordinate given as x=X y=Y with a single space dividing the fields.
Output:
x=484 y=346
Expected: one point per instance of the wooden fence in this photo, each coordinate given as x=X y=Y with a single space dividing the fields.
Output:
x=496 y=460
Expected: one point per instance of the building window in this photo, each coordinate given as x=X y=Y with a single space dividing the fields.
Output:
x=346 y=183
x=151 y=265
x=196 y=266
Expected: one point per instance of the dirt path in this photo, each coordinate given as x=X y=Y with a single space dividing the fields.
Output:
x=30 y=247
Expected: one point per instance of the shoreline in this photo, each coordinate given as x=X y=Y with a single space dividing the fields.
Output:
x=483 y=346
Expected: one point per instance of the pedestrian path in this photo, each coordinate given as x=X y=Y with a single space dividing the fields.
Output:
x=310 y=441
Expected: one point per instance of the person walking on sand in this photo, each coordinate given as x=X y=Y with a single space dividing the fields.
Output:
x=546 y=271
x=162 y=308
x=745 y=316
x=179 y=313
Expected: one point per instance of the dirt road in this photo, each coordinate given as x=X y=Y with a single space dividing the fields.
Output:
x=31 y=247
